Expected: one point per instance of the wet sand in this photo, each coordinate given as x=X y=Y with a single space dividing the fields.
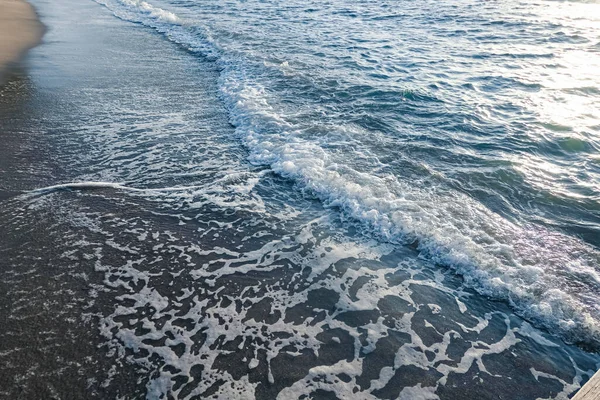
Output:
x=20 y=30
x=85 y=275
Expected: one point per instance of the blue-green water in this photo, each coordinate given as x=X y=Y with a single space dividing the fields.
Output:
x=469 y=129
x=351 y=199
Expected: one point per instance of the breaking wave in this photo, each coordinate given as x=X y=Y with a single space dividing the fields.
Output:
x=506 y=259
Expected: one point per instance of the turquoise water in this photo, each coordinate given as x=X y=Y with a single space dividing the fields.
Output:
x=366 y=199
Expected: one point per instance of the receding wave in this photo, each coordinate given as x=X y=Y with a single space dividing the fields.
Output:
x=81 y=186
x=509 y=260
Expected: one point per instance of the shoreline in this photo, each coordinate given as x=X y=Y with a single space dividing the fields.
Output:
x=114 y=294
x=20 y=31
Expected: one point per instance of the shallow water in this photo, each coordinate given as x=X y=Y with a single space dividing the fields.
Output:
x=340 y=199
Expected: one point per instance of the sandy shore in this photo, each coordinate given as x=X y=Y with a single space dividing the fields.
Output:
x=20 y=30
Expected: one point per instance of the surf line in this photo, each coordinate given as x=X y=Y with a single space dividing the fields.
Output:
x=91 y=185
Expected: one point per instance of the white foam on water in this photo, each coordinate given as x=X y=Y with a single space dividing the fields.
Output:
x=499 y=258
x=81 y=186
x=234 y=189
x=189 y=303
x=151 y=12
x=227 y=324
x=417 y=393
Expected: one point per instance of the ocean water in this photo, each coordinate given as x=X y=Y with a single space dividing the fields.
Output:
x=336 y=199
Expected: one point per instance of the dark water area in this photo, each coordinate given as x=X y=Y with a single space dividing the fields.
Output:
x=190 y=209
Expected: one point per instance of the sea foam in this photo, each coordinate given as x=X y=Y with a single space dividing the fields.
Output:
x=509 y=260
